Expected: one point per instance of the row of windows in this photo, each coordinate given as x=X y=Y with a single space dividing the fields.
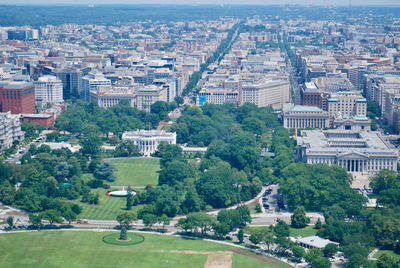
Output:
x=11 y=94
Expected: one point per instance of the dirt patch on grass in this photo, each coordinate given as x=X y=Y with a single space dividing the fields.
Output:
x=215 y=259
x=219 y=259
x=261 y=258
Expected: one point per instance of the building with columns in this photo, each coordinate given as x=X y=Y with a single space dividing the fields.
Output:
x=147 y=141
x=300 y=116
x=355 y=123
x=363 y=151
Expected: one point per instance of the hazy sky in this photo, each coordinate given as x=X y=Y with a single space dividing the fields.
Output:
x=190 y=2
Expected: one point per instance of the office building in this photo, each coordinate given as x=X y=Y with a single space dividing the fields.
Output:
x=147 y=95
x=10 y=130
x=90 y=83
x=347 y=103
x=218 y=96
x=48 y=90
x=265 y=92
x=311 y=95
x=17 y=97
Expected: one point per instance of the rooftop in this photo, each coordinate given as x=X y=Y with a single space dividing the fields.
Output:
x=304 y=108
x=343 y=142
x=315 y=241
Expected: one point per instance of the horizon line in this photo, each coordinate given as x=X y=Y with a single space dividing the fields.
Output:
x=193 y=5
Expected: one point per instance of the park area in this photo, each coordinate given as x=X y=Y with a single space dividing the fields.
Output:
x=388 y=252
x=87 y=249
x=136 y=171
x=107 y=209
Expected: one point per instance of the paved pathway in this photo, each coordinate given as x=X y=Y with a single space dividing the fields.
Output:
x=371 y=255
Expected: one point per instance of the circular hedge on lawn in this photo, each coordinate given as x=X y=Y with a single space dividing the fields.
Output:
x=133 y=239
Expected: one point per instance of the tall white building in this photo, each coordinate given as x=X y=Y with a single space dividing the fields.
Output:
x=147 y=141
x=10 y=130
x=90 y=82
x=48 y=89
x=265 y=92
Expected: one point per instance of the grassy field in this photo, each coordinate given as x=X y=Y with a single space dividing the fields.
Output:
x=389 y=252
x=86 y=249
x=108 y=209
x=136 y=171
x=251 y=230
x=304 y=232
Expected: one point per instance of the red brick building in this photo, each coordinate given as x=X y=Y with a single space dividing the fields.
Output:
x=311 y=96
x=46 y=120
x=17 y=97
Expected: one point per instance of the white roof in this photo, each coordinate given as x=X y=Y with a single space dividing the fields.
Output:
x=315 y=241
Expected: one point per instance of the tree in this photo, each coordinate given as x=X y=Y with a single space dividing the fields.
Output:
x=318 y=224
x=257 y=237
x=299 y=218
x=52 y=215
x=69 y=215
x=90 y=146
x=240 y=235
x=374 y=108
x=105 y=171
x=178 y=100
x=269 y=239
x=298 y=251
x=125 y=219
x=283 y=243
x=282 y=229
x=321 y=262
x=174 y=172
x=221 y=229
x=185 y=224
x=258 y=208
x=330 y=250
x=160 y=108
x=10 y=221
x=384 y=180
x=129 y=198
x=165 y=220
x=386 y=261
x=356 y=261
x=35 y=219
x=192 y=202
x=201 y=221
x=244 y=215
x=150 y=219
x=253 y=125
x=313 y=254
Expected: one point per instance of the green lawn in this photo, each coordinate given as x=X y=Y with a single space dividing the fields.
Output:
x=136 y=171
x=304 y=232
x=389 y=252
x=251 y=230
x=108 y=209
x=86 y=249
